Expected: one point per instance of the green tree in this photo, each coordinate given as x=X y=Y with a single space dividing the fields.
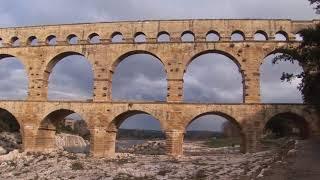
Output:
x=316 y=3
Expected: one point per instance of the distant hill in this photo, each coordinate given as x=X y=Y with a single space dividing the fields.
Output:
x=154 y=134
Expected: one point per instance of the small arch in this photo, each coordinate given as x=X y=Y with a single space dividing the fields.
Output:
x=32 y=41
x=51 y=40
x=94 y=38
x=187 y=36
x=163 y=37
x=260 y=36
x=287 y=124
x=281 y=36
x=15 y=41
x=140 y=37
x=212 y=36
x=72 y=39
x=237 y=36
x=298 y=37
x=215 y=115
x=1 y=42
x=117 y=37
x=10 y=126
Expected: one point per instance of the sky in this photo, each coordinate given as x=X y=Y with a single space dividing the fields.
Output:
x=205 y=80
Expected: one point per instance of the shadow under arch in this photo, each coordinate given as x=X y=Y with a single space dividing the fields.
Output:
x=288 y=124
x=10 y=124
x=243 y=145
x=25 y=69
x=223 y=53
x=48 y=127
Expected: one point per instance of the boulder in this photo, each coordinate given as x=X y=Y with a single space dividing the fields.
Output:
x=3 y=151
x=72 y=143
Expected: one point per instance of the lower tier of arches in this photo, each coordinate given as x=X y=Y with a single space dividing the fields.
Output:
x=37 y=121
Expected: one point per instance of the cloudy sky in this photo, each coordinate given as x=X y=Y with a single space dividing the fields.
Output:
x=206 y=79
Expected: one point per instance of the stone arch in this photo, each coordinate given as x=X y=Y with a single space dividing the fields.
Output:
x=93 y=36
x=226 y=54
x=283 y=33
x=51 y=40
x=23 y=63
x=118 y=119
x=243 y=38
x=265 y=68
x=243 y=145
x=45 y=134
x=165 y=35
x=15 y=41
x=134 y=52
x=140 y=37
x=273 y=122
x=159 y=66
x=212 y=33
x=31 y=41
x=57 y=58
x=262 y=33
x=71 y=37
x=188 y=33
x=116 y=34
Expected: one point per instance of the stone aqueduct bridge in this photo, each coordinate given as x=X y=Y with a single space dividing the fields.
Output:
x=37 y=115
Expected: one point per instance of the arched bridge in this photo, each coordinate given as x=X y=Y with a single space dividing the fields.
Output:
x=118 y=40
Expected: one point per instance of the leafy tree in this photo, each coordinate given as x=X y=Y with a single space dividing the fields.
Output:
x=308 y=55
x=316 y=3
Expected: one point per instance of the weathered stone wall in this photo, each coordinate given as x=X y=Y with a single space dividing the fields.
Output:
x=102 y=114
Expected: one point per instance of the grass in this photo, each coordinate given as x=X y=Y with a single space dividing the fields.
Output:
x=77 y=166
x=223 y=142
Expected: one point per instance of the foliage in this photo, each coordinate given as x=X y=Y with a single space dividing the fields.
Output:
x=77 y=166
x=316 y=3
x=308 y=55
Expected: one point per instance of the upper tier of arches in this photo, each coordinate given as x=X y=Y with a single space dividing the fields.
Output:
x=154 y=32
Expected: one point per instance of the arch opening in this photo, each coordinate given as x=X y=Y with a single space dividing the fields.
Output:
x=286 y=125
x=139 y=133
x=140 y=37
x=10 y=136
x=212 y=36
x=70 y=77
x=32 y=41
x=260 y=36
x=1 y=42
x=64 y=129
x=72 y=39
x=15 y=41
x=213 y=133
x=237 y=36
x=51 y=40
x=298 y=37
x=281 y=36
x=187 y=36
x=117 y=37
x=275 y=90
x=213 y=77
x=13 y=78
x=94 y=38
x=139 y=76
x=163 y=37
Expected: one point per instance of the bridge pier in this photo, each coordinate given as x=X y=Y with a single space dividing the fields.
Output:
x=174 y=142
x=103 y=143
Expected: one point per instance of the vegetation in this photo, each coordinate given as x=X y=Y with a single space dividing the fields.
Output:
x=316 y=3
x=308 y=55
x=77 y=166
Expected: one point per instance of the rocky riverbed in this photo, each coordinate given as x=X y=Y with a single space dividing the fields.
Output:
x=207 y=163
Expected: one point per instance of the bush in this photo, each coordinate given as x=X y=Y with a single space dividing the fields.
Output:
x=77 y=166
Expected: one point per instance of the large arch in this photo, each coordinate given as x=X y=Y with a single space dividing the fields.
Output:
x=226 y=60
x=56 y=122
x=135 y=128
x=139 y=76
x=83 y=80
x=10 y=127
x=228 y=118
x=14 y=78
x=272 y=88
x=287 y=124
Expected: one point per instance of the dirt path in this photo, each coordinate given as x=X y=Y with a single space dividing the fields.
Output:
x=305 y=165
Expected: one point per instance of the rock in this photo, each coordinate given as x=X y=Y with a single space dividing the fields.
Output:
x=11 y=156
x=72 y=143
x=292 y=153
x=3 y=151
